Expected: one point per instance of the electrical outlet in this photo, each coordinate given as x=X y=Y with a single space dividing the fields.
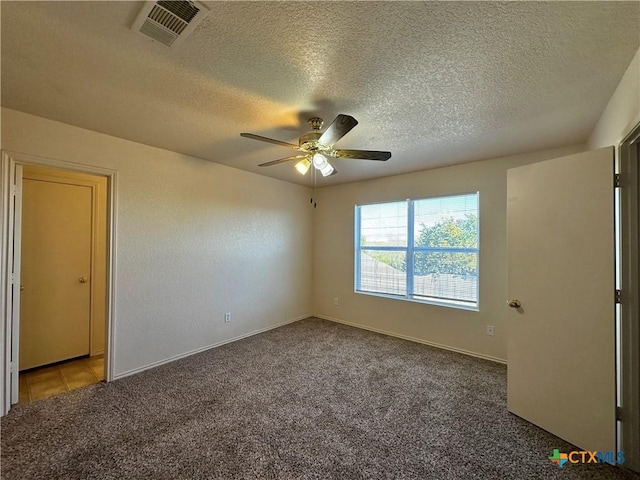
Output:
x=335 y=301
x=227 y=317
x=491 y=331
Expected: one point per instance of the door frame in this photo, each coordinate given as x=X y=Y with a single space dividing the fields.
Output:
x=629 y=334
x=9 y=333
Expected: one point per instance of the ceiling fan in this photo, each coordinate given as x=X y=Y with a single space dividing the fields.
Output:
x=316 y=147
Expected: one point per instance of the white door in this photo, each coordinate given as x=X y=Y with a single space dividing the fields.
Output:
x=561 y=353
x=56 y=272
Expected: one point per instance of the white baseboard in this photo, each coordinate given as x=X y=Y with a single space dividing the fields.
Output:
x=208 y=347
x=414 y=339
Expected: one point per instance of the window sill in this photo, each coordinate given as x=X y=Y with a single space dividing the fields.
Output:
x=437 y=303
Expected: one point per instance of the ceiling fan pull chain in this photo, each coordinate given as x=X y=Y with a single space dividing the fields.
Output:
x=315 y=177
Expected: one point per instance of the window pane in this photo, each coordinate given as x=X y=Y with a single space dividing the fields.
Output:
x=446 y=221
x=383 y=272
x=384 y=224
x=445 y=275
x=438 y=263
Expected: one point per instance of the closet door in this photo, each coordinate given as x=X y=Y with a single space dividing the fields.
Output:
x=56 y=268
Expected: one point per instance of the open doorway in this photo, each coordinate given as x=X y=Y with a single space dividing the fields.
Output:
x=62 y=281
x=57 y=291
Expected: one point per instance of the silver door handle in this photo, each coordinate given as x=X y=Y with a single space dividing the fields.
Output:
x=82 y=279
x=514 y=303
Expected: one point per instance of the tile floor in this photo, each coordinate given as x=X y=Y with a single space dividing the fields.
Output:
x=43 y=382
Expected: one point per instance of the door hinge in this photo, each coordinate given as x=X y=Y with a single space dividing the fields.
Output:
x=616 y=180
x=618 y=296
x=619 y=413
x=12 y=368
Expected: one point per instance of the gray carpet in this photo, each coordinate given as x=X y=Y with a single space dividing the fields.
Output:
x=313 y=399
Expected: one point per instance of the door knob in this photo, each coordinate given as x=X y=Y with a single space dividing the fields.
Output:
x=514 y=303
x=82 y=279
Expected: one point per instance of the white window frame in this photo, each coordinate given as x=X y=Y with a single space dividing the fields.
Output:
x=410 y=249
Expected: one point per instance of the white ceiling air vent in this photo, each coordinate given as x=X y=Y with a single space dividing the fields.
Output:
x=168 y=22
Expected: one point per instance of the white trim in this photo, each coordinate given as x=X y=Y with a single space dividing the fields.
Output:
x=414 y=339
x=5 y=397
x=10 y=158
x=26 y=158
x=457 y=304
x=208 y=347
x=112 y=219
x=14 y=267
x=11 y=201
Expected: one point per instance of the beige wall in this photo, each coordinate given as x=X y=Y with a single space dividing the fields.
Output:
x=195 y=239
x=454 y=328
x=622 y=112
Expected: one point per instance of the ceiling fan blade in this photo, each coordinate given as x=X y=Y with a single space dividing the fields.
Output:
x=270 y=140
x=363 y=154
x=338 y=129
x=282 y=160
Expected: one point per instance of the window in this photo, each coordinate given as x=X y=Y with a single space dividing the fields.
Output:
x=419 y=250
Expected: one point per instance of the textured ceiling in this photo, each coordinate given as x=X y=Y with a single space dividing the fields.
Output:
x=435 y=83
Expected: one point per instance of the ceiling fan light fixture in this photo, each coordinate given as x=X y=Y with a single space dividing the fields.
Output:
x=303 y=166
x=320 y=161
x=326 y=170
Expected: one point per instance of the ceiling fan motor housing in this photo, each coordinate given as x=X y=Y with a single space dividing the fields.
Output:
x=316 y=123
x=309 y=141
